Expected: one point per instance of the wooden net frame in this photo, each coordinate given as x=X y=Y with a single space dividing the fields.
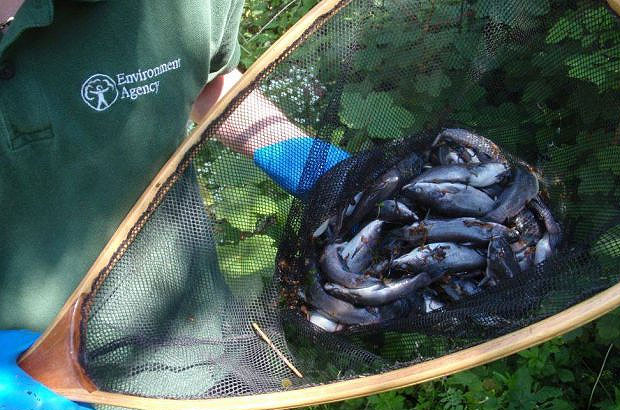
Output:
x=53 y=358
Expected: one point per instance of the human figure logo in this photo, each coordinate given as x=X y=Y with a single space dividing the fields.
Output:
x=99 y=92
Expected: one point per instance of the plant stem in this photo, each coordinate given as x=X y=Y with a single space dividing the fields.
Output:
x=599 y=375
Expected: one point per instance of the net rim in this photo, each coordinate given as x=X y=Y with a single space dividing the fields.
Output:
x=521 y=339
x=494 y=349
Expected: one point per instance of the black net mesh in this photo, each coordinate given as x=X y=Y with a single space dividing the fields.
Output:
x=223 y=246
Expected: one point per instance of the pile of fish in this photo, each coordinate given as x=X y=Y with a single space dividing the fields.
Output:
x=434 y=229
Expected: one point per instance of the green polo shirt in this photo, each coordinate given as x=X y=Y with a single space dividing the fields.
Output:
x=94 y=98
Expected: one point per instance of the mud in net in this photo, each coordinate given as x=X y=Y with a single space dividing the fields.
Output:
x=222 y=246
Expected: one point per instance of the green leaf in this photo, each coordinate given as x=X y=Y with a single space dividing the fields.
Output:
x=564 y=28
x=337 y=136
x=514 y=13
x=586 y=101
x=595 y=74
x=387 y=401
x=523 y=379
x=594 y=181
x=536 y=91
x=387 y=37
x=547 y=59
x=588 y=40
x=242 y=207
x=607 y=247
x=467 y=379
x=432 y=83
x=598 y=19
x=355 y=113
x=573 y=335
x=232 y=169
x=471 y=95
x=544 y=138
x=505 y=118
x=469 y=44
x=250 y=256
x=391 y=121
x=284 y=206
x=377 y=113
x=566 y=375
x=608 y=158
x=585 y=61
x=561 y=404
x=607 y=328
x=547 y=392
x=351 y=404
x=453 y=399
x=439 y=40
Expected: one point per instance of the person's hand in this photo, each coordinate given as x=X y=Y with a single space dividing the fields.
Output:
x=19 y=391
x=297 y=163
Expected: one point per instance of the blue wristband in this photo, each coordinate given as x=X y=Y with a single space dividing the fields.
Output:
x=297 y=163
x=19 y=391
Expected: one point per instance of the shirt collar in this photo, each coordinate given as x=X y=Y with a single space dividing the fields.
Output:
x=32 y=14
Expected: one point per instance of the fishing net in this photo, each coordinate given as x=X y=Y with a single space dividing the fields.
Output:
x=222 y=246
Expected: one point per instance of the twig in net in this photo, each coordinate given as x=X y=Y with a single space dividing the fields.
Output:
x=599 y=375
x=275 y=349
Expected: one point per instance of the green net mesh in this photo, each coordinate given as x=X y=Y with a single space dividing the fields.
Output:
x=223 y=246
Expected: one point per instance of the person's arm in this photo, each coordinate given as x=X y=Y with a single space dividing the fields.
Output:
x=264 y=123
x=259 y=129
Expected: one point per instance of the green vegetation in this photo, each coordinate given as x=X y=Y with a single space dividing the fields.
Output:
x=558 y=99
x=263 y=22
x=559 y=374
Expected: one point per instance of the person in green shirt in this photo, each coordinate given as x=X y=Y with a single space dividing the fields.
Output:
x=95 y=96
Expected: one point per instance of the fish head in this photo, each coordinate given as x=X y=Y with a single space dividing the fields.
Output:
x=519 y=246
x=416 y=229
x=431 y=303
x=503 y=169
x=449 y=188
x=329 y=287
x=424 y=190
x=410 y=166
x=498 y=246
x=511 y=235
x=376 y=226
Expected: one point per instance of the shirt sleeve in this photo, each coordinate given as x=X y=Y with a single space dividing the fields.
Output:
x=227 y=56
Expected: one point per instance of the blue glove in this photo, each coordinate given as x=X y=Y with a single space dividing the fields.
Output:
x=296 y=164
x=19 y=391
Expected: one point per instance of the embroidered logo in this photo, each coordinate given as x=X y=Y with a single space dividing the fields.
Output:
x=99 y=92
